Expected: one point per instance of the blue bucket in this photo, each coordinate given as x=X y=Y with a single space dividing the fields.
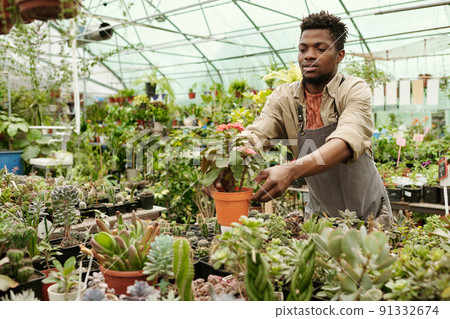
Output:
x=12 y=159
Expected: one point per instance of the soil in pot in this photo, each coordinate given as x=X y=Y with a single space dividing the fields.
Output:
x=394 y=193
x=412 y=195
x=66 y=252
x=431 y=194
x=34 y=283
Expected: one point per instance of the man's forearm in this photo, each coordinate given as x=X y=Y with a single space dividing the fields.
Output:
x=325 y=158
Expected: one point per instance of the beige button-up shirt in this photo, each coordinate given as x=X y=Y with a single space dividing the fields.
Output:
x=279 y=117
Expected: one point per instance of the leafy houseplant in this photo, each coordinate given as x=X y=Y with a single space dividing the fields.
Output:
x=191 y=91
x=66 y=281
x=431 y=191
x=238 y=87
x=229 y=157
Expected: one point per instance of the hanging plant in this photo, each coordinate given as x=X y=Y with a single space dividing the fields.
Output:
x=8 y=15
x=47 y=9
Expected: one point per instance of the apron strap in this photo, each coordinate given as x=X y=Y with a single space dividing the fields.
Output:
x=301 y=117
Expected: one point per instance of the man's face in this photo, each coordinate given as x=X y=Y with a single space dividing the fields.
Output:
x=317 y=56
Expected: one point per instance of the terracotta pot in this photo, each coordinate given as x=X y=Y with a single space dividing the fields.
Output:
x=6 y=23
x=46 y=286
x=120 y=280
x=237 y=94
x=192 y=95
x=47 y=9
x=231 y=206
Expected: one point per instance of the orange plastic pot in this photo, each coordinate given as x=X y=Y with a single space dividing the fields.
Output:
x=231 y=206
x=120 y=280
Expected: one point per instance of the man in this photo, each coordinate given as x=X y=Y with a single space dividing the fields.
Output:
x=330 y=117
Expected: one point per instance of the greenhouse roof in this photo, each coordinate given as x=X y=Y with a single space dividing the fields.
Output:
x=217 y=41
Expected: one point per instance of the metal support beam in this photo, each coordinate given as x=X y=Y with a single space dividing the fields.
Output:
x=356 y=26
x=262 y=34
x=196 y=47
x=270 y=9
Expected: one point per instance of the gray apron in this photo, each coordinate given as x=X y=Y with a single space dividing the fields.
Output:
x=357 y=187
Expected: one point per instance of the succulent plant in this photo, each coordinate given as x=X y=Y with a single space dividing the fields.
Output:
x=201 y=252
x=141 y=291
x=203 y=243
x=119 y=198
x=302 y=256
x=190 y=233
x=362 y=262
x=183 y=268
x=94 y=294
x=15 y=266
x=64 y=200
x=82 y=205
x=160 y=258
x=26 y=295
x=348 y=218
x=124 y=248
x=193 y=239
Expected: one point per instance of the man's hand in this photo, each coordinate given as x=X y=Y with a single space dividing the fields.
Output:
x=277 y=180
x=215 y=185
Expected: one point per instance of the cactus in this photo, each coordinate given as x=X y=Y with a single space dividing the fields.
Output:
x=362 y=262
x=64 y=200
x=257 y=283
x=201 y=252
x=190 y=234
x=160 y=258
x=183 y=268
x=16 y=266
x=204 y=230
x=303 y=257
x=193 y=240
x=124 y=248
x=203 y=243
x=82 y=205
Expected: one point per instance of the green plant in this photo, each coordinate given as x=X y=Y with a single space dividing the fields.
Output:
x=160 y=259
x=302 y=255
x=65 y=276
x=347 y=218
x=183 y=268
x=361 y=262
x=26 y=295
x=281 y=76
x=368 y=71
x=15 y=266
x=431 y=174
x=192 y=88
x=238 y=86
x=11 y=126
x=124 y=248
x=229 y=156
x=64 y=200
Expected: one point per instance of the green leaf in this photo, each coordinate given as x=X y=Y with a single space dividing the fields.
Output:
x=105 y=240
x=371 y=245
x=12 y=130
x=22 y=126
x=31 y=151
x=69 y=263
x=21 y=143
x=445 y=293
x=372 y=295
x=349 y=242
x=335 y=246
x=382 y=278
x=211 y=176
x=349 y=284
x=223 y=162
x=34 y=135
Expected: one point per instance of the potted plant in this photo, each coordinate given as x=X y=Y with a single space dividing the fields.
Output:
x=431 y=191
x=238 y=87
x=67 y=286
x=229 y=156
x=147 y=199
x=47 y=9
x=191 y=91
x=122 y=252
x=388 y=173
x=412 y=193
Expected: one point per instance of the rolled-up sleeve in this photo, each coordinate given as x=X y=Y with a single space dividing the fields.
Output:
x=355 y=125
x=269 y=125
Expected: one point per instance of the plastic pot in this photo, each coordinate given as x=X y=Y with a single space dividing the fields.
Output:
x=431 y=194
x=412 y=195
x=394 y=193
x=231 y=206
x=54 y=295
x=147 y=201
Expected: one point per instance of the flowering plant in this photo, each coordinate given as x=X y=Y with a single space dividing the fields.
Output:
x=229 y=156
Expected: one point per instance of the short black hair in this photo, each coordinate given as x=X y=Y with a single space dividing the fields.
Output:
x=324 y=20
